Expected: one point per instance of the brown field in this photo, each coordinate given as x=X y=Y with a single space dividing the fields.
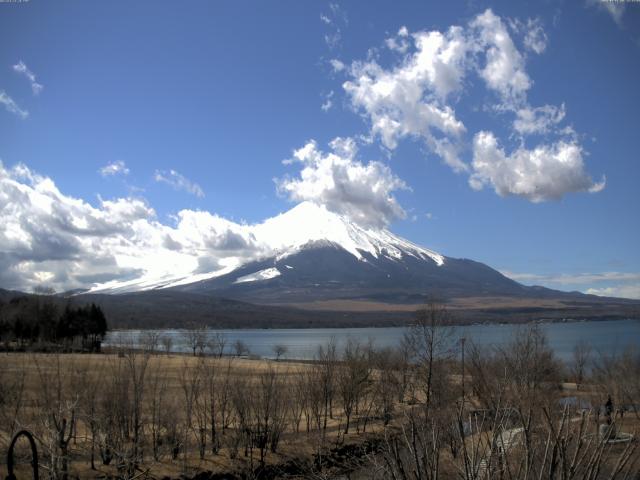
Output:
x=143 y=414
x=466 y=303
x=78 y=374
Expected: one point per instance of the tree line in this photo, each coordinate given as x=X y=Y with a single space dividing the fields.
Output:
x=40 y=322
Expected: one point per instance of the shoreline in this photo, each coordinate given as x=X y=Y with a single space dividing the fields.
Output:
x=378 y=326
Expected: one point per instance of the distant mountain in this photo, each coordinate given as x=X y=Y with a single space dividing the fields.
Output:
x=320 y=268
x=323 y=270
x=314 y=254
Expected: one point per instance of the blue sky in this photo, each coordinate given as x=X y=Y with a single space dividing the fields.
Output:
x=195 y=105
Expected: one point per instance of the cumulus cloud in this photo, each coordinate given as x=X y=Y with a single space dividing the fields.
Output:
x=11 y=106
x=22 y=69
x=343 y=184
x=178 y=182
x=410 y=100
x=114 y=168
x=47 y=237
x=503 y=69
x=417 y=97
x=546 y=172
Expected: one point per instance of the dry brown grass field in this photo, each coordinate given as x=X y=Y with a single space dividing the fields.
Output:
x=411 y=412
x=59 y=384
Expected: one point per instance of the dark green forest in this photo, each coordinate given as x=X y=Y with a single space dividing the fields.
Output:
x=40 y=322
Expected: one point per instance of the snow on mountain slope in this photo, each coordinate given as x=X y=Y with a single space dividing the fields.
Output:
x=308 y=222
x=266 y=274
x=286 y=234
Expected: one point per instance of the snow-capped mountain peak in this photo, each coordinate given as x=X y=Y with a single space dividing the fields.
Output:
x=308 y=223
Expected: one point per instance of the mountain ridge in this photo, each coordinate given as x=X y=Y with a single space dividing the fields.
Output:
x=317 y=268
x=289 y=232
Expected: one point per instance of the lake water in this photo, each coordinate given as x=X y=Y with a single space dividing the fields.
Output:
x=603 y=336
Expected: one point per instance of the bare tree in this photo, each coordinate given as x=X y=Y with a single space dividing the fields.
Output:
x=216 y=344
x=269 y=412
x=297 y=388
x=240 y=348
x=196 y=339
x=209 y=405
x=581 y=358
x=616 y=375
x=531 y=377
x=58 y=404
x=167 y=342
x=280 y=350
x=389 y=366
x=429 y=340
x=191 y=384
x=136 y=364
x=157 y=407
x=203 y=407
x=242 y=401
x=223 y=395
x=353 y=378
x=149 y=341
x=89 y=406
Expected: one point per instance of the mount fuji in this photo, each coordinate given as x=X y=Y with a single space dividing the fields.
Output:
x=313 y=263
x=310 y=253
x=318 y=256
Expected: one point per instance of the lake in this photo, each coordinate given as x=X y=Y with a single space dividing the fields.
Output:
x=603 y=336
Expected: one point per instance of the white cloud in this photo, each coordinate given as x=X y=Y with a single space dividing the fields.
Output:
x=333 y=21
x=622 y=291
x=606 y=284
x=114 y=168
x=51 y=239
x=178 y=182
x=328 y=102
x=12 y=106
x=337 y=65
x=615 y=9
x=546 y=172
x=410 y=99
x=22 y=69
x=399 y=43
x=503 y=69
x=343 y=184
x=539 y=120
x=64 y=242
x=416 y=97
x=535 y=38
x=573 y=278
